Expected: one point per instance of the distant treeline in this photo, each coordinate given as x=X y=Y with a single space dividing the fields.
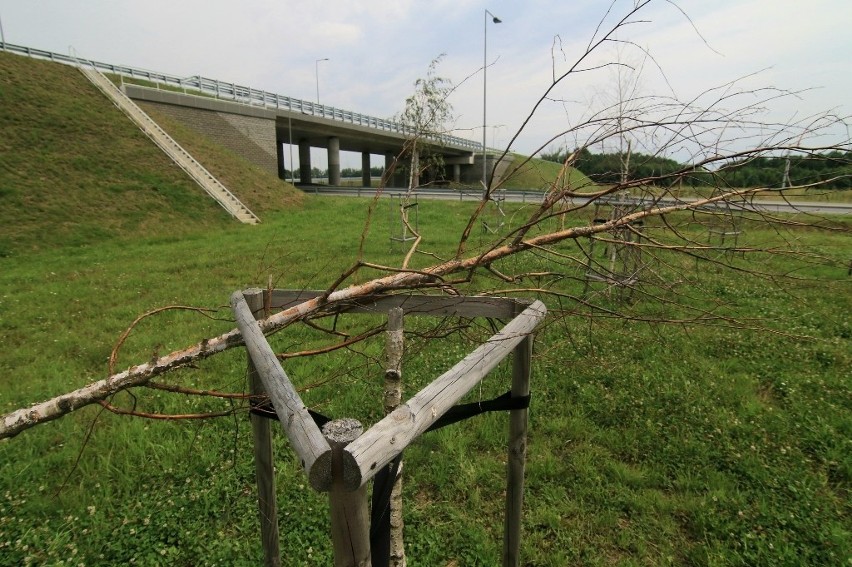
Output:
x=834 y=169
x=375 y=171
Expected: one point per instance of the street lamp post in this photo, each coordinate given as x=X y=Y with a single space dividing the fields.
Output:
x=495 y=20
x=316 y=72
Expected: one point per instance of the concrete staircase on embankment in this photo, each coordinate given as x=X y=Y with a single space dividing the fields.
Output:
x=172 y=149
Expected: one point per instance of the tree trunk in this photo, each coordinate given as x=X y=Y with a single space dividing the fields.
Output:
x=393 y=397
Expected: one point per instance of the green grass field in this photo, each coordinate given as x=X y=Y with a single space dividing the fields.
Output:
x=650 y=443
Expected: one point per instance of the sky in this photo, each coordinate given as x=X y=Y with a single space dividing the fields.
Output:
x=377 y=50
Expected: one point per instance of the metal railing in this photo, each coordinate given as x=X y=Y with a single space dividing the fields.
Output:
x=245 y=95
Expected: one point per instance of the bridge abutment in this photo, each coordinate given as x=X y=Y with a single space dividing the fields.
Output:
x=250 y=134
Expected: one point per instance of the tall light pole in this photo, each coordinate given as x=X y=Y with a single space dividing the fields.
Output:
x=316 y=72
x=495 y=20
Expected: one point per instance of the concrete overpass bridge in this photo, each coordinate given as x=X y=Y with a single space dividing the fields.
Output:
x=260 y=132
x=256 y=124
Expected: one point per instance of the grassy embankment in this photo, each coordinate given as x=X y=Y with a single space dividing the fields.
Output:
x=650 y=444
x=74 y=171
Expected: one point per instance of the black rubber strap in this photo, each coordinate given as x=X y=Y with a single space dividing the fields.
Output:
x=455 y=414
x=464 y=411
x=264 y=408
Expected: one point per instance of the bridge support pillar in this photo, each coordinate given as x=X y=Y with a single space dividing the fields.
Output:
x=304 y=161
x=282 y=169
x=334 y=161
x=366 y=178
x=457 y=173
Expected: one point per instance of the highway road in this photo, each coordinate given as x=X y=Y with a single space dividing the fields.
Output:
x=519 y=196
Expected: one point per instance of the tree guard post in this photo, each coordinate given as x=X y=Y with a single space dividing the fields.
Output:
x=516 y=462
x=263 y=455
x=342 y=458
x=350 y=524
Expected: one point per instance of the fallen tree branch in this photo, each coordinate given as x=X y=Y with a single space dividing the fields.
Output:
x=164 y=416
x=19 y=420
x=113 y=357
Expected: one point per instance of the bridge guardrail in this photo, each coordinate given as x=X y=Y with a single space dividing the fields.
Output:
x=243 y=94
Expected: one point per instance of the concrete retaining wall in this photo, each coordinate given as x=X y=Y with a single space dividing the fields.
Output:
x=250 y=137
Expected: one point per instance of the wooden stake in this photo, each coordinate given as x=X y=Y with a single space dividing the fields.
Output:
x=350 y=523
x=518 y=419
x=263 y=458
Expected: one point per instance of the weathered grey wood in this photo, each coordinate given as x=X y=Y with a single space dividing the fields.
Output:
x=263 y=456
x=435 y=305
x=393 y=397
x=395 y=432
x=516 y=463
x=350 y=523
x=304 y=435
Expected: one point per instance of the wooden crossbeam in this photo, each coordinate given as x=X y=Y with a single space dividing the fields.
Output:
x=428 y=305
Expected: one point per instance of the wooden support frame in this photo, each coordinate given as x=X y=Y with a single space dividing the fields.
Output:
x=347 y=469
x=622 y=267
x=418 y=305
x=263 y=457
x=517 y=458
x=405 y=234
